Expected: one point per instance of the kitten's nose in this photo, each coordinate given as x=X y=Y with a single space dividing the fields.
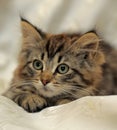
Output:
x=45 y=82
x=46 y=77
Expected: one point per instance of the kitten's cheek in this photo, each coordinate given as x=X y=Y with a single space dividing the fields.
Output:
x=40 y=83
x=54 y=81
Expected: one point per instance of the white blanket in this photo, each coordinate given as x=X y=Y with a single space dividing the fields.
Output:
x=88 y=113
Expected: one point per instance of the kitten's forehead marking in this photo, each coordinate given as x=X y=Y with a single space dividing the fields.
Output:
x=52 y=63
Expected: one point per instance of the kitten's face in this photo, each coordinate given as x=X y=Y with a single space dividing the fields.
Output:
x=58 y=64
x=51 y=75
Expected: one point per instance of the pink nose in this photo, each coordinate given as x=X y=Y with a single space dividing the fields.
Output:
x=45 y=82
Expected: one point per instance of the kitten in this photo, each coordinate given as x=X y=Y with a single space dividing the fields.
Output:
x=57 y=69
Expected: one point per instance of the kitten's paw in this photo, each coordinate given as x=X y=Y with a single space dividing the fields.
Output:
x=32 y=103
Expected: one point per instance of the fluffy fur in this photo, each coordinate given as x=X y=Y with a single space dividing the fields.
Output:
x=72 y=66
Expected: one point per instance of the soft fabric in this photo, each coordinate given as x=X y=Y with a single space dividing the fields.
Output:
x=88 y=113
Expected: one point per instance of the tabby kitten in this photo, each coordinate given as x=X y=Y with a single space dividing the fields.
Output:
x=57 y=69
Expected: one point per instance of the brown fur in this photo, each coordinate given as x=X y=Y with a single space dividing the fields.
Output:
x=91 y=68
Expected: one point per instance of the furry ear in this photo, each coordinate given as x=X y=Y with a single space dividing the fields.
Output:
x=31 y=38
x=29 y=32
x=89 y=41
x=88 y=44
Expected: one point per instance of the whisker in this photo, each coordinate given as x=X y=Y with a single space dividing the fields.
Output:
x=82 y=92
x=79 y=90
x=23 y=82
x=74 y=95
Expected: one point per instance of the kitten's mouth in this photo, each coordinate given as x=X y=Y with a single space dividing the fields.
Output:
x=45 y=88
x=48 y=90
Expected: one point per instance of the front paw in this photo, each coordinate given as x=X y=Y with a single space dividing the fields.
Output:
x=31 y=102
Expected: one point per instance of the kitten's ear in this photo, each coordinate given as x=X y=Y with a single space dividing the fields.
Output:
x=89 y=44
x=30 y=33
x=89 y=41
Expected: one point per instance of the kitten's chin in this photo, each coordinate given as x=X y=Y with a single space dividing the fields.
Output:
x=49 y=90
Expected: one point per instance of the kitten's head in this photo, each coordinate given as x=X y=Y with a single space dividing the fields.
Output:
x=58 y=64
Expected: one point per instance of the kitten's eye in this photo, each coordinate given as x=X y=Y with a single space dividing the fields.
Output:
x=37 y=64
x=63 y=68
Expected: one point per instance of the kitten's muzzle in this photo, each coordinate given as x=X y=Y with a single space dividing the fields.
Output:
x=46 y=77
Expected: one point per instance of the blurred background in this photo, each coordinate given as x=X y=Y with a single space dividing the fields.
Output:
x=54 y=16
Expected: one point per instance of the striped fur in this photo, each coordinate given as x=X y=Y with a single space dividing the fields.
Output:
x=92 y=69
